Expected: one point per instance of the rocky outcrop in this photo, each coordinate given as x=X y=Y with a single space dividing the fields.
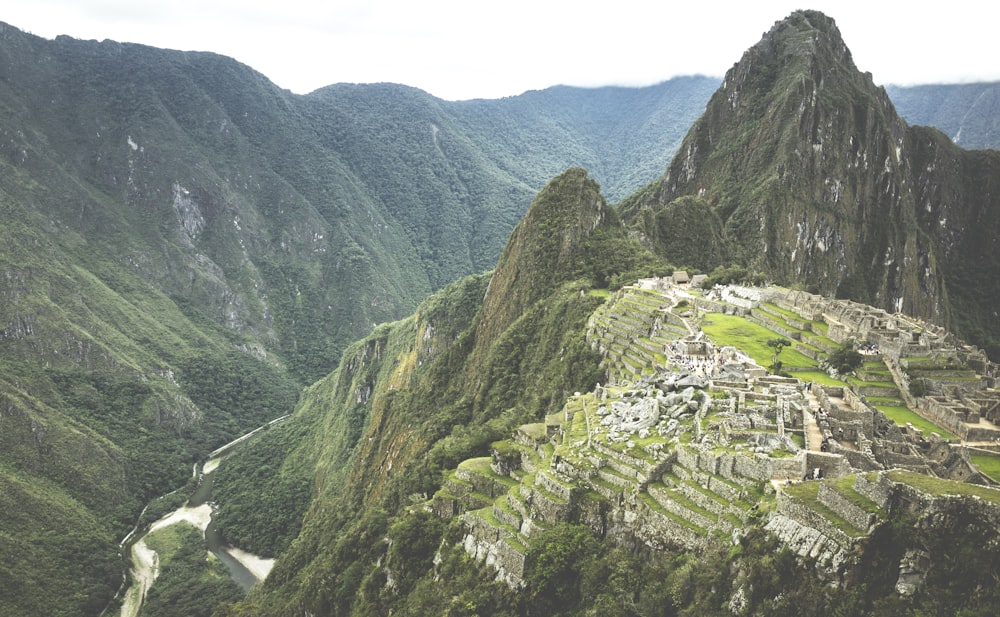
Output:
x=817 y=181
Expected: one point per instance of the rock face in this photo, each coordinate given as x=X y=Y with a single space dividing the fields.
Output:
x=543 y=248
x=816 y=180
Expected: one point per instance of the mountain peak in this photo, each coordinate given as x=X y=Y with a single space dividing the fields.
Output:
x=805 y=33
x=806 y=45
x=544 y=248
x=806 y=163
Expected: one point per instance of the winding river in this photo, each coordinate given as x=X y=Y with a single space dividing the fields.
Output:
x=244 y=568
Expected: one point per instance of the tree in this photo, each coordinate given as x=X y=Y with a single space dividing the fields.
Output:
x=846 y=359
x=777 y=344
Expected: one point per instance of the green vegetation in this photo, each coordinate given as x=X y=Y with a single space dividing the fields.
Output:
x=937 y=486
x=989 y=465
x=902 y=415
x=186 y=246
x=846 y=359
x=750 y=338
x=263 y=493
x=807 y=493
x=191 y=581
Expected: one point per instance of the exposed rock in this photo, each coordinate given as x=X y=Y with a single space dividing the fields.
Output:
x=913 y=568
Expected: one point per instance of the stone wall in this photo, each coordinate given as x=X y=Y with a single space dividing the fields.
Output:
x=830 y=558
x=742 y=467
x=833 y=465
x=805 y=515
x=485 y=542
x=545 y=506
x=845 y=508
x=659 y=532
x=482 y=484
x=875 y=487
x=940 y=414
x=550 y=484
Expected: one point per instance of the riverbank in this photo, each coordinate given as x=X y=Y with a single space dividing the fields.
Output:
x=145 y=561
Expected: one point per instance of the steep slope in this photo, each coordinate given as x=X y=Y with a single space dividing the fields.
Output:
x=623 y=137
x=819 y=182
x=664 y=478
x=418 y=396
x=185 y=245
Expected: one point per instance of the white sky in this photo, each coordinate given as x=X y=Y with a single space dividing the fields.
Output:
x=461 y=49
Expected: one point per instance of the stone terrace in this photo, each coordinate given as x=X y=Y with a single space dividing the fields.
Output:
x=688 y=444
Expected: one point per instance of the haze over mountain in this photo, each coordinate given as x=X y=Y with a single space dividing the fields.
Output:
x=186 y=246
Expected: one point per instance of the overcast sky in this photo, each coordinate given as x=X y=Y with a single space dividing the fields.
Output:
x=461 y=49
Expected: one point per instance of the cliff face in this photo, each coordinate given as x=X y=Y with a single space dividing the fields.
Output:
x=544 y=249
x=819 y=182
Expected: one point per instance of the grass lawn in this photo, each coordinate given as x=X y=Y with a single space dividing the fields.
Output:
x=937 y=486
x=989 y=465
x=817 y=326
x=902 y=415
x=820 y=377
x=751 y=339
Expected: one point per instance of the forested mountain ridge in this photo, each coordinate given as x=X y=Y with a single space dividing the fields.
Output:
x=371 y=545
x=418 y=396
x=186 y=245
x=966 y=113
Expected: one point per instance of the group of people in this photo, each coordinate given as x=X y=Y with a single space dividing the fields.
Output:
x=701 y=364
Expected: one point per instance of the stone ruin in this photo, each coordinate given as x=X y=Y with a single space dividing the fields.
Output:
x=711 y=442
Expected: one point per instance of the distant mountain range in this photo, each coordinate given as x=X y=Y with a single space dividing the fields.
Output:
x=186 y=246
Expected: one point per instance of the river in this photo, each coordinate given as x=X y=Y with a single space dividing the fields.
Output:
x=244 y=568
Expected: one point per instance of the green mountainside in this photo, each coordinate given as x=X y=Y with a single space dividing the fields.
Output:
x=966 y=113
x=186 y=247
x=480 y=475
x=818 y=182
x=473 y=481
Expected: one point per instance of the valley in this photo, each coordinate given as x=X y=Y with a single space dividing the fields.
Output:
x=480 y=410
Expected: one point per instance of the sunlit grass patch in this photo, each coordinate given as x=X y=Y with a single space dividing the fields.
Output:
x=750 y=338
x=901 y=415
x=989 y=465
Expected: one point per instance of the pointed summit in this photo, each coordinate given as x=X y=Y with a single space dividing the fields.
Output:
x=545 y=249
x=805 y=161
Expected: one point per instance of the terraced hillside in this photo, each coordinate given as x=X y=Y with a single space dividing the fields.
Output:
x=692 y=441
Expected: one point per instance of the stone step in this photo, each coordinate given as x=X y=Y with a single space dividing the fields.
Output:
x=548 y=507
x=726 y=489
x=507 y=515
x=555 y=485
x=486 y=527
x=640 y=466
x=729 y=506
x=611 y=476
x=609 y=490
x=668 y=528
x=643 y=303
x=675 y=501
x=632 y=470
x=650 y=297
